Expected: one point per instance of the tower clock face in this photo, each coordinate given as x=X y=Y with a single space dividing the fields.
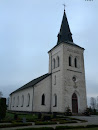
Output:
x=74 y=78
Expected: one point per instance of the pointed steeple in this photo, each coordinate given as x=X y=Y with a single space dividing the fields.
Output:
x=65 y=34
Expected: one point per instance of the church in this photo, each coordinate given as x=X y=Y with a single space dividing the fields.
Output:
x=63 y=86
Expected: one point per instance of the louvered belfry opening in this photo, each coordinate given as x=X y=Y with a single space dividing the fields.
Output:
x=74 y=103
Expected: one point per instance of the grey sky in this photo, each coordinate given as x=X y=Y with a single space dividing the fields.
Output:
x=29 y=28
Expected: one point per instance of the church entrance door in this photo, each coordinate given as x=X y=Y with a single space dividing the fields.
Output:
x=74 y=103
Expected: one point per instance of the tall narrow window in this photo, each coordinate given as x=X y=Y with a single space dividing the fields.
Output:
x=53 y=63
x=22 y=101
x=28 y=100
x=75 y=60
x=17 y=101
x=58 y=61
x=55 y=80
x=43 y=99
x=13 y=101
x=55 y=100
x=70 y=61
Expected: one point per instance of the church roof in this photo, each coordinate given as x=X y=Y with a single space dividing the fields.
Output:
x=32 y=83
x=65 y=34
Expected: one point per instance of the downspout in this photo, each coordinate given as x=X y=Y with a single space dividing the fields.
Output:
x=10 y=102
x=33 y=100
x=51 y=87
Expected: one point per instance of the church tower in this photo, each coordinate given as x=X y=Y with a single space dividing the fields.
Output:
x=66 y=65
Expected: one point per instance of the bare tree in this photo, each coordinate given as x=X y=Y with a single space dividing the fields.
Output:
x=1 y=94
x=93 y=102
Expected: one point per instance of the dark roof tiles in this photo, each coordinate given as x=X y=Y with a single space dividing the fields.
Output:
x=65 y=33
x=32 y=83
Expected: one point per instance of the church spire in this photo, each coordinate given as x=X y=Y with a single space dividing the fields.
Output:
x=65 y=34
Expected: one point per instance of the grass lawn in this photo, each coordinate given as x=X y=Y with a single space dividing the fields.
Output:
x=10 y=116
x=85 y=129
x=59 y=129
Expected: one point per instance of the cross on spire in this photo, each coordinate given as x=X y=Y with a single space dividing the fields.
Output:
x=64 y=6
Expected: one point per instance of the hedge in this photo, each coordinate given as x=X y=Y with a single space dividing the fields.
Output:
x=45 y=123
x=74 y=127
x=15 y=125
x=42 y=128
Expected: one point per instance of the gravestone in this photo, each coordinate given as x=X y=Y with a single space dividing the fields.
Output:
x=24 y=120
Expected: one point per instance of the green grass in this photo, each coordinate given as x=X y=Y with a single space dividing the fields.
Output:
x=42 y=128
x=29 y=117
x=34 y=117
x=86 y=129
x=77 y=127
x=47 y=128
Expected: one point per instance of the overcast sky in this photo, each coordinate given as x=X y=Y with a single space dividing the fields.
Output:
x=28 y=30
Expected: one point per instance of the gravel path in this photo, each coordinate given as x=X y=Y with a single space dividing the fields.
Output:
x=91 y=120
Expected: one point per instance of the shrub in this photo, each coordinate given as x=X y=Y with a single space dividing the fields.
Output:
x=15 y=116
x=54 y=114
x=46 y=117
x=90 y=110
x=87 y=112
x=94 y=111
x=68 y=112
x=39 y=115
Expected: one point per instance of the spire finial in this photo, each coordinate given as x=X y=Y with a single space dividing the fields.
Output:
x=64 y=7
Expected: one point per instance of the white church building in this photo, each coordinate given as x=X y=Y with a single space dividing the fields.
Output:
x=63 y=86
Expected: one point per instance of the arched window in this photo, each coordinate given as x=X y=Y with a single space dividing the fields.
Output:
x=75 y=62
x=28 y=100
x=55 y=100
x=43 y=99
x=22 y=101
x=55 y=80
x=70 y=61
x=17 y=101
x=58 y=61
x=53 y=63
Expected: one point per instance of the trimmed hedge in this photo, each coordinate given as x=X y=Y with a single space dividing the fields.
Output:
x=15 y=125
x=74 y=127
x=5 y=121
x=45 y=123
x=91 y=126
x=42 y=128
x=60 y=127
x=64 y=122
x=78 y=119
